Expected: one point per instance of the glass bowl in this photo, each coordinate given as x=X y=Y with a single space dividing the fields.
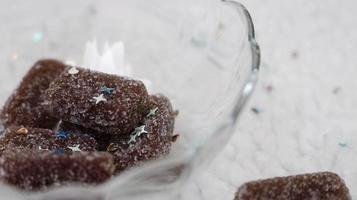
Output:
x=201 y=54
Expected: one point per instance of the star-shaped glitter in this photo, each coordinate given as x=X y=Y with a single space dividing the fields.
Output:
x=73 y=71
x=75 y=148
x=132 y=139
x=140 y=130
x=107 y=90
x=152 y=112
x=62 y=134
x=136 y=133
x=99 y=98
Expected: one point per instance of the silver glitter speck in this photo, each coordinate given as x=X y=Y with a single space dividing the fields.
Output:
x=73 y=71
x=75 y=148
x=99 y=99
x=152 y=112
x=136 y=133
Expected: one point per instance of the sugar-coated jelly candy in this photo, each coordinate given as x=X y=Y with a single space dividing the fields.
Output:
x=102 y=139
x=103 y=102
x=36 y=170
x=26 y=139
x=316 y=186
x=24 y=106
x=149 y=140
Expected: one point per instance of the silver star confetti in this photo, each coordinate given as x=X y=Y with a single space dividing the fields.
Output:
x=152 y=112
x=73 y=71
x=99 y=98
x=137 y=133
x=140 y=130
x=75 y=148
x=132 y=139
x=107 y=90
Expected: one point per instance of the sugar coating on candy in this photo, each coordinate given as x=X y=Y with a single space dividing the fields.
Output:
x=316 y=186
x=79 y=98
x=24 y=108
x=24 y=139
x=101 y=138
x=150 y=140
x=2 y=128
x=35 y=170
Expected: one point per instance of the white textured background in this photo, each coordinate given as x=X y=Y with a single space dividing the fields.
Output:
x=308 y=122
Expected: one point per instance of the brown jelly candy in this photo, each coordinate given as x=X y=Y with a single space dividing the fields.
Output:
x=24 y=107
x=316 y=186
x=150 y=140
x=25 y=139
x=103 y=102
x=35 y=170
x=101 y=138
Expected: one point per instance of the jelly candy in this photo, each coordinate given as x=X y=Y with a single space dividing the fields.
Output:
x=24 y=107
x=102 y=139
x=316 y=186
x=150 y=140
x=24 y=139
x=36 y=170
x=103 y=102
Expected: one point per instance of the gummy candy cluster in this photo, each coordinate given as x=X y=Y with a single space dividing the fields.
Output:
x=66 y=124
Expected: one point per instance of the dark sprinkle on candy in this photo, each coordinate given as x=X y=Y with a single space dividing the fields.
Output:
x=175 y=137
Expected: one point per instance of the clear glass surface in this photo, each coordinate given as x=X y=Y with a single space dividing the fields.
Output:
x=201 y=54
